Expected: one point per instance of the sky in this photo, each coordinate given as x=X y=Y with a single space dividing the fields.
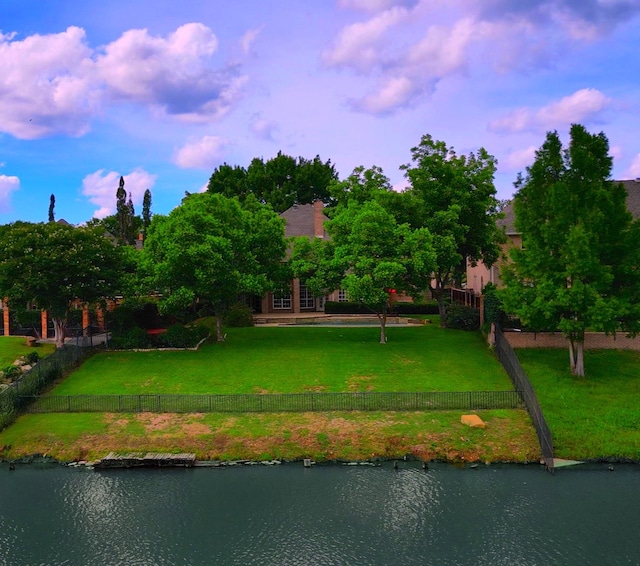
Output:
x=163 y=92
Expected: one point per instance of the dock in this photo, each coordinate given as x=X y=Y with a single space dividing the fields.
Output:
x=148 y=460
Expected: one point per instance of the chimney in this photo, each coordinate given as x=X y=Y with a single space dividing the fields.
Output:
x=318 y=219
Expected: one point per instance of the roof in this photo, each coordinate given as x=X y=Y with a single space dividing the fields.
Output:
x=300 y=221
x=632 y=187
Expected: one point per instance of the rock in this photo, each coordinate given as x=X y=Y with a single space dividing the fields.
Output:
x=473 y=421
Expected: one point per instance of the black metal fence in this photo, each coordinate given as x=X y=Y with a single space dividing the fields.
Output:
x=521 y=382
x=290 y=402
x=18 y=394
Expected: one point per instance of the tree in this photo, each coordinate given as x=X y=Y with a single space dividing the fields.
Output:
x=211 y=249
x=52 y=205
x=369 y=255
x=281 y=181
x=146 y=213
x=454 y=197
x=578 y=267
x=52 y=264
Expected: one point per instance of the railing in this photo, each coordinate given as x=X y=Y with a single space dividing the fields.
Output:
x=288 y=402
x=16 y=397
x=465 y=297
x=521 y=382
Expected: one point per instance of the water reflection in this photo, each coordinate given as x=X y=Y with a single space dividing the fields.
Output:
x=325 y=515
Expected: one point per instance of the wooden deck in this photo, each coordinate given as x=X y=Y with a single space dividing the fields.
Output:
x=149 y=460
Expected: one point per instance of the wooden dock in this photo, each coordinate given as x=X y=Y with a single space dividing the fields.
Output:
x=149 y=460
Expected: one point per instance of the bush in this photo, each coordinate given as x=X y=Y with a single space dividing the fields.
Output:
x=462 y=317
x=178 y=336
x=131 y=339
x=32 y=358
x=335 y=307
x=238 y=315
x=415 y=308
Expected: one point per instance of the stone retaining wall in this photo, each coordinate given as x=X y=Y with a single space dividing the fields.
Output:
x=592 y=340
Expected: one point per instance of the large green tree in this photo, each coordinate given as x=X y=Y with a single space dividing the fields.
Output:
x=369 y=255
x=211 y=248
x=455 y=198
x=579 y=264
x=49 y=265
x=281 y=181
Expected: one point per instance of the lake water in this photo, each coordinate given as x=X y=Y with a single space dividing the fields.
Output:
x=491 y=515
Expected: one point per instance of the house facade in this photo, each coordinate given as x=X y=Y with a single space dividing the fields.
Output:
x=479 y=275
x=301 y=220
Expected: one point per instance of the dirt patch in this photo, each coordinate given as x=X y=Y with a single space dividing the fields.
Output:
x=360 y=383
x=315 y=388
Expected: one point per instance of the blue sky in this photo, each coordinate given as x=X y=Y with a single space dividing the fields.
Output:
x=162 y=92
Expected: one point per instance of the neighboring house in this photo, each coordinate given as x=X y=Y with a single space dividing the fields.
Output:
x=479 y=275
x=301 y=220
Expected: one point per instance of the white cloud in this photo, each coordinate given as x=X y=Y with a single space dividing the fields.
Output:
x=519 y=160
x=248 y=39
x=8 y=184
x=54 y=84
x=46 y=85
x=204 y=153
x=264 y=129
x=581 y=106
x=360 y=45
x=101 y=187
x=634 y=170
x=373 y=5
x=172 y=74
x=395 y=93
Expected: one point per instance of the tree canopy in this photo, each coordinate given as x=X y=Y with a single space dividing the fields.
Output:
x=370 y=255
x=281 y=181
x=52 y=264
x=211 y=249
x=579 y=264
x=455 y=198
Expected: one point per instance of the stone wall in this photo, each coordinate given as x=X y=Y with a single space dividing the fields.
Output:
x=592 y=341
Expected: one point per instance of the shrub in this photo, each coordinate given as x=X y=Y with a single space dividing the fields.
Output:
x=130 y=339
x=238 y=315
x=11 y=372
x=178 y=336
x=462 y=317
x=415 y=308
x=335 y=307
x=32 y=358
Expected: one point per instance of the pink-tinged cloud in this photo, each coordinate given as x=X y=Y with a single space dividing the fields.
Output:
x=634 y=169
x=172 y=74
x=395 y=93
x=101 y=188
x=519 y=160
x=583 y=105
x=204 y=153
x=374 y=5
x=8 y=184
x=263 y=129
x=248 y=39
x=46 y=85
x=360 y=46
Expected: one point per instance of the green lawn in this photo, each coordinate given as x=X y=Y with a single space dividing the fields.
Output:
x=296 y=359
x=12 y=347
x=593 y=417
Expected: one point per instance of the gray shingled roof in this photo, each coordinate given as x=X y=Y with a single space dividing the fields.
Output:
x=299 y=221
x=633 y=204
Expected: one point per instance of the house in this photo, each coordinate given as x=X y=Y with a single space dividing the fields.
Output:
x=301 y=220
x=479 y=275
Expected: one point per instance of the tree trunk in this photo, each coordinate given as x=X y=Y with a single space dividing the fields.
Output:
x=382 y=317
x=60 y=329
x=438 y=292
x=576 y=356
x=220 y=335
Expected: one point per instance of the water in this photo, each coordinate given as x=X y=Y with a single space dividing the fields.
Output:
x=517 y=515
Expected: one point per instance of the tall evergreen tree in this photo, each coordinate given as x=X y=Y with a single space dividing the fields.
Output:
x=122 y=212
x=52 y=205
x=146 y=213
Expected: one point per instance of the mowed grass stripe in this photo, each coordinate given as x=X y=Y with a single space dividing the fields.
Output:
x=294 y=359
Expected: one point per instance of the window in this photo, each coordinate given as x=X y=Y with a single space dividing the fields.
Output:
x=342 y=296
x=306 y=300
x=283 y=302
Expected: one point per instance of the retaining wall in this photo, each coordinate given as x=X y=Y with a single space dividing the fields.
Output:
x=592 y=340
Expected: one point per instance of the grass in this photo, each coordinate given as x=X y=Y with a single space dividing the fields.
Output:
x=12 y=347
x=508 y=437
x=596 y=417
x=295 y=359
x=287 y=360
